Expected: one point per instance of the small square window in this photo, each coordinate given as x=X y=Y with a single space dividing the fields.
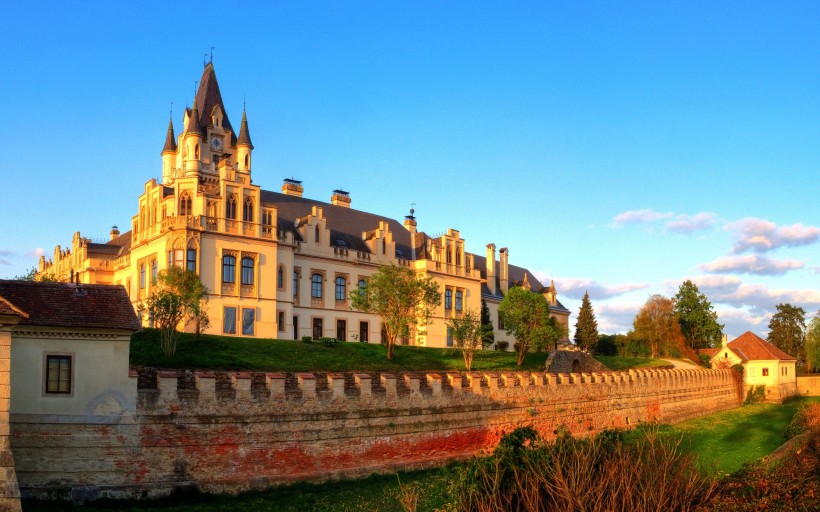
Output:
x=765 y=372
x=58 y=374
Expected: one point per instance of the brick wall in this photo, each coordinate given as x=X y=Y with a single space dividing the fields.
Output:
x=235 y=431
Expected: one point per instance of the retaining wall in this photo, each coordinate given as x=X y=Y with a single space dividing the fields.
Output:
x=227 y=432
x=808 y=385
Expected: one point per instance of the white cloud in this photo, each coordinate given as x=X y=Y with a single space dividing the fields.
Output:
x=737 y=321
x=575 y=288
x=761 y=235
x=687 y=224
x=638 y=217
x=616 y=317
x=751 y=264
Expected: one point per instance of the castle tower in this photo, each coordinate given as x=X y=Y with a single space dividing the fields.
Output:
x=244 y=147
x=192 y=141
x=169 y=152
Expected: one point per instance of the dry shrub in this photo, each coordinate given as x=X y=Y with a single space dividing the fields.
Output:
x=408 y=496
x=605 y=473
x=807 y=419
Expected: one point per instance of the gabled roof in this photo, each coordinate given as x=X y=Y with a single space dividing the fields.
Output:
x=750 y=347
x=9 y=309
x=208 y=97
x=346 y=225
x=71 y=305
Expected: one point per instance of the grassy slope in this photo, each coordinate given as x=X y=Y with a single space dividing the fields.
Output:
x=254 y=354
x=616 y=363
x=727 y=440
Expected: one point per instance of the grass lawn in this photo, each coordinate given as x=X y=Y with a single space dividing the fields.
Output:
x=617 y=363
x=727 y=440
x=375 y=493
x=255 y=354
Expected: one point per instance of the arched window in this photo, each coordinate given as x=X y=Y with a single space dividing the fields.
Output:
x=228 y=269
x=316 y=286
x=230 y=207
x=247 y=210
x=341 y=288
x=247 y=270
x=280 y=277
x=459 y=300
x=190 y=263
x=185 y=204
x=316 y=234
x=448 y=299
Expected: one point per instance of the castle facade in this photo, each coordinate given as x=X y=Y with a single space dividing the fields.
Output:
x=277 y=264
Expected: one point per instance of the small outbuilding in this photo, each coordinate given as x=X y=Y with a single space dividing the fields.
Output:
x=763 y=365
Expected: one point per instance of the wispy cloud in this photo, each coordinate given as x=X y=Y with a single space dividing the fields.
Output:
x=738 y=321
x=758 y=298
x=761 y=235
x=688 y=224
x=616 y=317
x=639 y=217
x=751 y=264
x=575 y=288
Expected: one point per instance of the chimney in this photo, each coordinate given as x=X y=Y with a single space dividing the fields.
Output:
x=491 y=268
x=292 y=187
x=340 y=198
x=115 y=232
x=725 y=340
x=503 y=269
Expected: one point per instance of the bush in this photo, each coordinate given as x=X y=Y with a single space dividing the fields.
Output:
x=806 y=419
x=705 y=360
x=606 y=345
x=756 y=395
x=307 y=339
x=502 y=345
x=637 y=349
x=329 y=342
x=603 y=473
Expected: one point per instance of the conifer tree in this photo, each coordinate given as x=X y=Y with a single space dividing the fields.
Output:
x=698 y=321
x=586 y=327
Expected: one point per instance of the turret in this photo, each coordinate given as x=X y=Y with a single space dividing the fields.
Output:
x=169 y=151
x=193 y=139
x=244 y=147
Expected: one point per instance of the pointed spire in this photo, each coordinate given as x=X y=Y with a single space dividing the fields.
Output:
x=170 y=139
x=244 y=135
x=193 y=121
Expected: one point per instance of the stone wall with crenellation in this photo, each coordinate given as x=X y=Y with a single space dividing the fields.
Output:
x=228 y=432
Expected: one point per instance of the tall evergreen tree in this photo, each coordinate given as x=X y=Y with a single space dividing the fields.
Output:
x=787 y=331
x=487 y=332
x=586 y=327
x=698 y=321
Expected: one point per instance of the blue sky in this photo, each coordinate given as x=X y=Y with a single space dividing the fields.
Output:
x=613 y=146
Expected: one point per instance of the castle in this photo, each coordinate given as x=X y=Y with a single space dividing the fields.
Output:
x=277 y=264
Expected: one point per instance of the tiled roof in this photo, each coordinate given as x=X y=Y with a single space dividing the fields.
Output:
x=208 y=97
x=708 y=351
x=750 y=347
x=7 y=308
x=244 y=134
x=71 y=305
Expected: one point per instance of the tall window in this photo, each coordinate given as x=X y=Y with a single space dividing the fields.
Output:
x=185 y=204
x=317 y=328
x=316 y=234
x=341 y=330
x=230 y=207
x=449 y=336
x=191 y=260
x=316 y=286
x=229 y=270
x=58 y=374
x=229 y=320
x=247 y=270
x=247 y=210
x=142 y=275
x=363 y=328
x=267 y=218
x=341 y=288
x=280 y=277
x=295 y=283
x=448 y=299
x=175 y=257
x=248 y=319
x=153 y=271
x=362 y=286
x=459 y=300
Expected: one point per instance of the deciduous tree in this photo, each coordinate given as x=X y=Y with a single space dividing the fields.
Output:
x=698 y=321
x=813 y=344
x=586 y=327
x=468 y=333
x=402 y=299
x=657 y=326
x=487 y=331
x=527 y=317
x=787 y=331
x=179 y=296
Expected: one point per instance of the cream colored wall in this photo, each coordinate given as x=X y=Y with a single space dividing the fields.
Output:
x=101 y=385
x=725 y=358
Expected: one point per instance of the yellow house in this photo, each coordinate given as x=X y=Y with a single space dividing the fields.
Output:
x=763 y=365
x=277 y=264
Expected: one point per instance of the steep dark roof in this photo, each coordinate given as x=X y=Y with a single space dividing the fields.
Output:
x=751 y=347
x=345 y=224
x=71 y=305
x=208 y=97
x=244 y=135
x=170 y=139
x=193 y=121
